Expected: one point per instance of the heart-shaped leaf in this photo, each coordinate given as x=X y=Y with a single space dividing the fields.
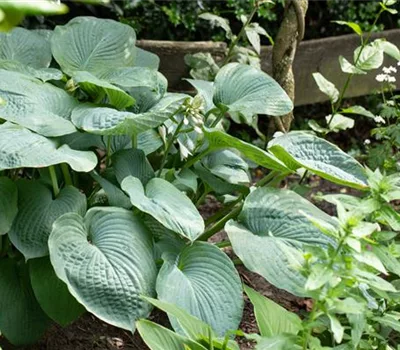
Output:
x=146 y=59
x=52 y=293
x=38 y=106
x=22 y=321
x=93 y=44
x=37 y=212
x=269 y=234
x=165 y=203
x=247 y=90
x=106 y=260
x=203 y=281
x=22 y=148
x=218 y=139
x=8 y=204
x=300 y=149
x=108 y=121
x=26 y=47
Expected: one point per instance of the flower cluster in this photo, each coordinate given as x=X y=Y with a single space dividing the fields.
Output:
x=386 y=75
x=378 y=119
x=192 y=114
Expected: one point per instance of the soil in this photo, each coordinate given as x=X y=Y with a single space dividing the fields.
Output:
x=89 y=333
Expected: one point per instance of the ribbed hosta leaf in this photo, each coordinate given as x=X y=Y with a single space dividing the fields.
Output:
x=106 y=260
x=108 y=121
x=37 y=210
x=38 y=106
x=203 y=281
x=165 y=203
x=132 y=162
x=247 y=90
x=269 y=234
x=146 y=86
x=98 y=88
x=8 y=204
x=92 y=44
x=228 y=166
x=43 y=74
x=26 y=47
x=21 y=148
x=299 y=149
x=52 y=293
x=146 y=59
x=218 y=139
x=22 y=321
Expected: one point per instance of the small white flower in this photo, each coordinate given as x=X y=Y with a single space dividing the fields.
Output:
x=388 y=70
x=379 y=119
x=398 y=63
x=391 y=79
x=367 y=142
x=390 y=103
x=381 y=78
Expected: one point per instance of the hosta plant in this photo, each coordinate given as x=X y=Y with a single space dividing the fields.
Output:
x=103 y=171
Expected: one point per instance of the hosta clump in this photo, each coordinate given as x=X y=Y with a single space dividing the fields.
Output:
x=99 y=208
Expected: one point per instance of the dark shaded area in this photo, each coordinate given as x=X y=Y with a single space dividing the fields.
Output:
x=178 y=19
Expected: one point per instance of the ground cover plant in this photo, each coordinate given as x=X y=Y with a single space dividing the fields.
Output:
x=102 y=175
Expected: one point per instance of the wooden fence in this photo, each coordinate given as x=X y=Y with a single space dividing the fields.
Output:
x=320 y=55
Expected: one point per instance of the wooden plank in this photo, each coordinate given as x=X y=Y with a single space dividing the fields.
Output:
x=320 y=55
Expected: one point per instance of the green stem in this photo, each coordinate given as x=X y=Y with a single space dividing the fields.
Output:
x=54 y=180
x=202 y=197
x=108 y=156
x=266 y=179
x=364 y=43
x=225 y=210
x=217 y=120
x=134 y=140
x=66 y=174
x=196 y=158
x=223 y=244
x=220 y=224
x=303 y=177
x=239 y=36
x=168 y=148
x=310 y=320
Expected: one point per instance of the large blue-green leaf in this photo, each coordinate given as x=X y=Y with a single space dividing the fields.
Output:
x=203 y=281
x=21 y=148
x=93 y=45
x=8 y=204
x=52 y=293
x=218 y=139
x=165 y=203
x=38 y=106
x=270 y=232
x=300 y=149
x=108 y=121
x=132 y=162
x=43 y=74
x=37 y=210
x=247 y=90
x=146 y=59
x=22 y=321
x=26 y=47
x=106 y=260
x=99 y=88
